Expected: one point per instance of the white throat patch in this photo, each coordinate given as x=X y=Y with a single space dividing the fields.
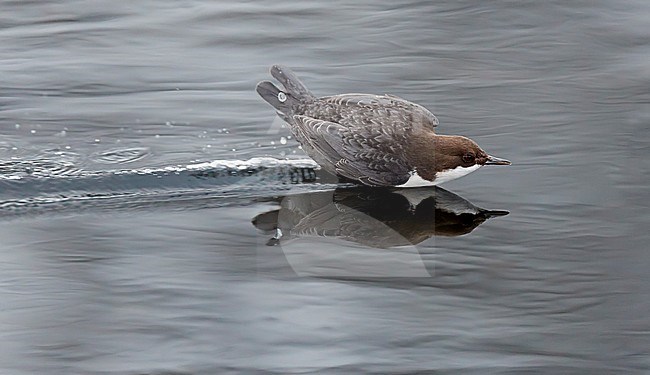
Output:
x=441 y=177
x=452 y=174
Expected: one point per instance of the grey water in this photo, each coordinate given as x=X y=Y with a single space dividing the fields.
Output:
x=156 y=217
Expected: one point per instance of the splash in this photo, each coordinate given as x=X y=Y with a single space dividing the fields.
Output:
x=38 y=186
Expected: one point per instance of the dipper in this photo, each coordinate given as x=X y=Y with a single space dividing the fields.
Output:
x=377 y=140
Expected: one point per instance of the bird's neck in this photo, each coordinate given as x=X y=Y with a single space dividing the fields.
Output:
x=431 y=153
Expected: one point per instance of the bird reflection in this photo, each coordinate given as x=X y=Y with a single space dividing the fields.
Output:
x=379 y=218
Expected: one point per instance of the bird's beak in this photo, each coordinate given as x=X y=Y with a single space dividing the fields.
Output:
x=491 y=160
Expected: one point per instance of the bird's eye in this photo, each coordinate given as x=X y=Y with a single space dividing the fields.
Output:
x=468 y=158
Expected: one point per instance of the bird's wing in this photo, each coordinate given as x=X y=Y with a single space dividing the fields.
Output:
x=381 y=109
x=372 y=155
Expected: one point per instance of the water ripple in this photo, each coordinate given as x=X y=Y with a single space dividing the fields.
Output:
x=121 y=156
x=35 y=186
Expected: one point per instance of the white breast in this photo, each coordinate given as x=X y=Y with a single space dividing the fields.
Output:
x=441 y=177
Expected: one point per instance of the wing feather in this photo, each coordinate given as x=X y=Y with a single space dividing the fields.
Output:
x=361 y=109
x=370 y=154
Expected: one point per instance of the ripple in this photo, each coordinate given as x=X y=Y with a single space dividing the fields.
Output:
x=41 y=186
x=17 y=170
x=121 y=156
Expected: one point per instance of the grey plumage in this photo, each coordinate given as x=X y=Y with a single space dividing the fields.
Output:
x=355 y=152
x=358 y=136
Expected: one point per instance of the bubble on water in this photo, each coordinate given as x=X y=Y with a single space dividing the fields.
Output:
x=283 y=140
x=272 y=143
x=33 y=131
x=97 y=140
x=157 y=136
x=17 y=126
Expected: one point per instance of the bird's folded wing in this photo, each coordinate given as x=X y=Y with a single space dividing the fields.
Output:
x=387 y=110
x=372 y=155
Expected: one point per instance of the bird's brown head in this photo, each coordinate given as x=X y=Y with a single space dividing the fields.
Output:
x=461 y=151
x=465 y=152
x=453 y=156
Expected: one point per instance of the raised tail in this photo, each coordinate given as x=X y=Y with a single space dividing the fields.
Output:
x=294 y=94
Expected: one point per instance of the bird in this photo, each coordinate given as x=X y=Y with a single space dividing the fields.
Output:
x=374 y=140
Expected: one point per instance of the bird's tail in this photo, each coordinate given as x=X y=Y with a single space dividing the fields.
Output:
x=284 y=101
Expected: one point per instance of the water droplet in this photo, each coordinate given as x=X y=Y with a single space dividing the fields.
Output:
x=282 y=97
x=33 y=131
x=17 y=126
x=234 y=149
x=97 y=140
x=272 y=143
x=157 y=136
x=283 y=140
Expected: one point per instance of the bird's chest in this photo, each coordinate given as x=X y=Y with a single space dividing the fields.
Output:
x=416 y=179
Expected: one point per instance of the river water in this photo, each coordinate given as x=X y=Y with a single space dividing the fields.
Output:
x=157 y=218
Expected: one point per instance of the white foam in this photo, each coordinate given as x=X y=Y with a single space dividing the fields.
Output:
x=254 y=163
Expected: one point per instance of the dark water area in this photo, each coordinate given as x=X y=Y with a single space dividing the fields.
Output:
x=157 y=218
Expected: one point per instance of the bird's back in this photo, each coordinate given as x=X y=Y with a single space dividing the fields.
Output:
x=363 y=110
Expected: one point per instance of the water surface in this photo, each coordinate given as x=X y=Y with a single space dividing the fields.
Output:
x=142 y=181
